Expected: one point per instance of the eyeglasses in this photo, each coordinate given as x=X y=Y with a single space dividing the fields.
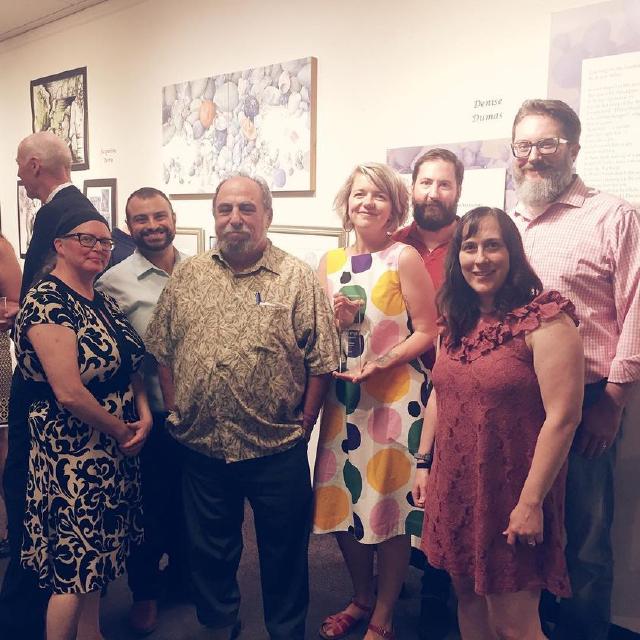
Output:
x=545 y=147
x=89 y=241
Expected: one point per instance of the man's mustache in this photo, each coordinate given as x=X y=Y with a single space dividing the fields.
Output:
x=536 y=165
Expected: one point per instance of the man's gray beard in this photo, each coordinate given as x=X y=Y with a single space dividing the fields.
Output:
x=234 y=249
x=545 y=190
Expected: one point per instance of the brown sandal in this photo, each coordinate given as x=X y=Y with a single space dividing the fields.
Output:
x=342 y=623
x=386 y=634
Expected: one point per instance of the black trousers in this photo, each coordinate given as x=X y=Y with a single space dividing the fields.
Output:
x=435 y=583
x=22 y=603
x=278 y=489
x=163 y=518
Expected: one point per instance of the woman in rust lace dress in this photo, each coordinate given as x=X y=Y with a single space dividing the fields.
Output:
x=508 y=394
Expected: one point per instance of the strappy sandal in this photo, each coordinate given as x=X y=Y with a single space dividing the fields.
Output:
x=386 y=634
x=342 y=624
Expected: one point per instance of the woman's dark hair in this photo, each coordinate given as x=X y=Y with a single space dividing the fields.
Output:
x=458 y=302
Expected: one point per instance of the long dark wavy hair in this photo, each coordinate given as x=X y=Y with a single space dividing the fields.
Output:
x=458 y=302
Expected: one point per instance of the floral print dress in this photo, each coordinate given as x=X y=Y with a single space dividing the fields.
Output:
x=83 y=503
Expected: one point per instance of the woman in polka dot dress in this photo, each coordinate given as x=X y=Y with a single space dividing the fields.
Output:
x=384 y=306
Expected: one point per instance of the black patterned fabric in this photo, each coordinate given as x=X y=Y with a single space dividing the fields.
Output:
x=5 y=377
x=83 y=495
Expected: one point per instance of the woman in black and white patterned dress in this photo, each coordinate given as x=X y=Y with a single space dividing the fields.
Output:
x=88 y=420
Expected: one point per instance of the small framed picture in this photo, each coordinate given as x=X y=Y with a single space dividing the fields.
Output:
x=212 y=242
x=103 y=196
x=307 y=243
x=59 y=104
x=189 y=240
x=27 y=209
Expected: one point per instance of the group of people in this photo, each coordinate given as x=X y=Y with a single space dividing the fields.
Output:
x=471 y=372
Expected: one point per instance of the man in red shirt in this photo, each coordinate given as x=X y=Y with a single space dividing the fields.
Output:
x=436 y=184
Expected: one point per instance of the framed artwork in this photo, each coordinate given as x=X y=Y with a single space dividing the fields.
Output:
x=27 y=209
x=307 y=243
x=261 y=121
x=212 y=242
x=104 y=197
x=189 y=240
x=482 y=159
x=59 y=104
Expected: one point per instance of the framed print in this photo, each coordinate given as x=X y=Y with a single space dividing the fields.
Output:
x=27 y=209
x=260 y=120
x=488 y=171
x=103 y=196
x=212 y=242
x=307 y=243
x=59 y=104
x=189 y=240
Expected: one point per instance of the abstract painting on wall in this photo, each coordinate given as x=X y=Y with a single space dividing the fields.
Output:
x=260 y=121
x=59 y=104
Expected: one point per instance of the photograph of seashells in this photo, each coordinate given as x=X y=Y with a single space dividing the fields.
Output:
x=260 y=121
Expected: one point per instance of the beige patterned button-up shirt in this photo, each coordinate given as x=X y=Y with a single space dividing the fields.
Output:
x=241 y=347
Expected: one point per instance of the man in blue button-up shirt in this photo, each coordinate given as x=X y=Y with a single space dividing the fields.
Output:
x=136 y=283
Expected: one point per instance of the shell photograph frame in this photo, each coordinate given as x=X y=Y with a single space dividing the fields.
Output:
x=260 y=121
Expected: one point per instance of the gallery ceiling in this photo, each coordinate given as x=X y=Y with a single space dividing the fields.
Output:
x=19 y=17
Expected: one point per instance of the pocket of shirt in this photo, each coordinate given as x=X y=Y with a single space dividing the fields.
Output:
x=274 y=327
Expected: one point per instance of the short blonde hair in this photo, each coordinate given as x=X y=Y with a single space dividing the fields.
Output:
x=387 y=180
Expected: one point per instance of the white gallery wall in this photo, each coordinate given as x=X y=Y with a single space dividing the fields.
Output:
x=389 y=75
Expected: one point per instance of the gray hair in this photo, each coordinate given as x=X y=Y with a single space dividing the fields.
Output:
x=261 y=182
x=52 y=152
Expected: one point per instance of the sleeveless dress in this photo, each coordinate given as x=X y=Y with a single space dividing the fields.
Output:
x=83 y=503
x=490 y=413
x=368 y=432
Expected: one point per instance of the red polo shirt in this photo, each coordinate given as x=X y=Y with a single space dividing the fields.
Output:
x=433 y=261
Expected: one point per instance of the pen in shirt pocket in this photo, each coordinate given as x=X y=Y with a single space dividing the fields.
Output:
x=261 y=303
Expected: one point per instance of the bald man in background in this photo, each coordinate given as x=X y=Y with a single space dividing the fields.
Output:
x=44 y=166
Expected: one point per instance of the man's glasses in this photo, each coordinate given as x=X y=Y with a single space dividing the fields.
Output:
x=545 y=147
x=88 y=240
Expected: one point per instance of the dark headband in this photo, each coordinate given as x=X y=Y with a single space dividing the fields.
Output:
x=72 y=220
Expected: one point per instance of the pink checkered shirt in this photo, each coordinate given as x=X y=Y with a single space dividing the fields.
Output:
x=586 y=245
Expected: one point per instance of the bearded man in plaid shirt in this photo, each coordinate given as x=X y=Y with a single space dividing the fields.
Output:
x=585 y=244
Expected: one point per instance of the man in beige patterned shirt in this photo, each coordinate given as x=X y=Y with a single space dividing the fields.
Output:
x=245 y=341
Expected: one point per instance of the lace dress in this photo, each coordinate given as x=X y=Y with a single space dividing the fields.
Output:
x=490 y=413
